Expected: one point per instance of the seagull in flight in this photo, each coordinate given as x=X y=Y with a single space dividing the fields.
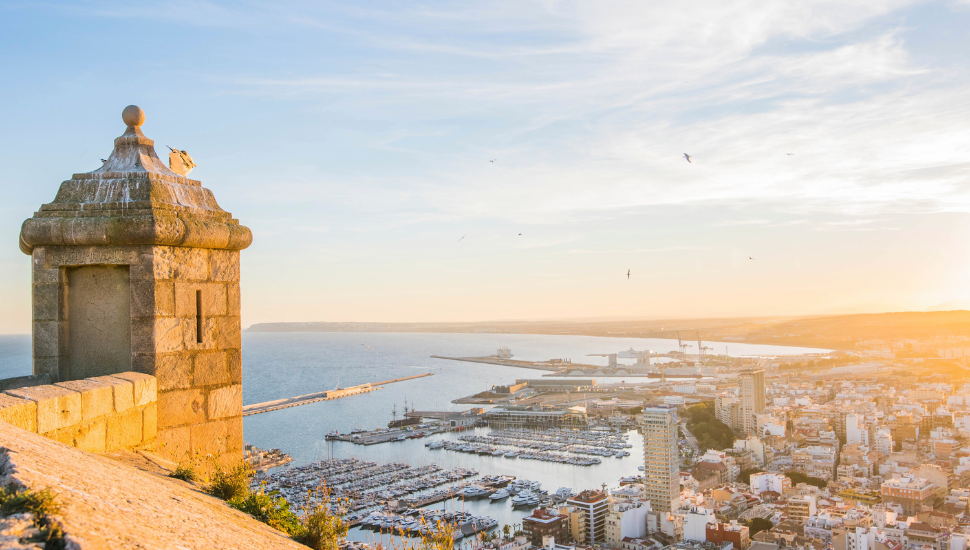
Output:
x=790 y=154
x=750 y=258
x=520 y=234
x=686 y=156
x=462 y=237
x=627 y=274
x=493 y=160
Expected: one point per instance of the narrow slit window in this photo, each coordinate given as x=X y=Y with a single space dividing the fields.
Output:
x=198 y=316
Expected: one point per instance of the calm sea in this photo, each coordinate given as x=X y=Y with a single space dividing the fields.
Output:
x=279 y=365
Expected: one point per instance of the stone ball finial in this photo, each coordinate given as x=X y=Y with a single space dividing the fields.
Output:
x=133 y=115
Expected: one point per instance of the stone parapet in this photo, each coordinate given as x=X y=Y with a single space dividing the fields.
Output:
x=101 y=414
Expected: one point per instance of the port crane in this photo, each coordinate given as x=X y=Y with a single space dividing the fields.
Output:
x=680 y=343
x=701 y=349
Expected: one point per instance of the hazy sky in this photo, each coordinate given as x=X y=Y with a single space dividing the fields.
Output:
x=354 y=139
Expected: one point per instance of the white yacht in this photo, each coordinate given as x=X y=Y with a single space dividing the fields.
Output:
x=499 y=495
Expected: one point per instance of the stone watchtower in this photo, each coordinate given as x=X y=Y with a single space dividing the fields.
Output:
x=136 y=268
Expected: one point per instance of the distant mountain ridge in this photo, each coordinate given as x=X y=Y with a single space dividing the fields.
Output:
x=830 y=332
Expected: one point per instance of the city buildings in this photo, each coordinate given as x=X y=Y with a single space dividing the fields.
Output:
x=913 y=494
x=765 y=481
x=543 y=523
x=593 y=505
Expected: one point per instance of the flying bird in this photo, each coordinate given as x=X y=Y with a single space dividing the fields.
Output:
x=462 y=237
x=627 y=274
x=493 y=160
x=750 y=258
x=790 y=154
x=520 y=234
x=686 y=156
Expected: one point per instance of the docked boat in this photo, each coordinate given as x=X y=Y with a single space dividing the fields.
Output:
x=499 y=495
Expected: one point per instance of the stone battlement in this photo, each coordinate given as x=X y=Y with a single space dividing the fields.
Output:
x=101 y=414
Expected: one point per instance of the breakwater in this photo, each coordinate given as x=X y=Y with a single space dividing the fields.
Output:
x=337 y=393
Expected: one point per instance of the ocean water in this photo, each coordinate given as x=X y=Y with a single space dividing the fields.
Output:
x=280 y=365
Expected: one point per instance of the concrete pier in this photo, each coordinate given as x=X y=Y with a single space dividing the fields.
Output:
x=278 y=404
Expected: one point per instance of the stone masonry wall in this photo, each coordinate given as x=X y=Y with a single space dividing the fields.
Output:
x=100 y=414
x=199 y=383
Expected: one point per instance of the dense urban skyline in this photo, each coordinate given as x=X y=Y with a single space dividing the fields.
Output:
x=356 y=140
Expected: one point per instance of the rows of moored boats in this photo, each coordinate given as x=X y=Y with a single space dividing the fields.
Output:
x=573 y=448
x=476 y=448
x=423 y=522
x=355 y=484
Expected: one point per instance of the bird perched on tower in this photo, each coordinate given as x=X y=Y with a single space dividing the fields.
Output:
x=180 y=162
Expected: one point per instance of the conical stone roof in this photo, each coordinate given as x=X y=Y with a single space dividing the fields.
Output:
x=133 y=199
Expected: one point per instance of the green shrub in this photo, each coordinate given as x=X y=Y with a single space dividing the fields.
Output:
x=185 y=473
x=322 y=530
x=230 y=483
x=270 y=509
x=40 y=503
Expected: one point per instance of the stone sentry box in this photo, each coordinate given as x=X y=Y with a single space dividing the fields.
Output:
x=136 y=268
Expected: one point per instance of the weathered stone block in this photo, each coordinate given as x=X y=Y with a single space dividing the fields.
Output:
x=149 y=422
x=142 y=336
x=234 y=366
x=185 y=298
x=175 y=442
x=19 y=412
x=45 y=338
x=233 y=298
x=44 y=302
x=62 y=435
x=41 y=273
x=214 y=299
x=56 y=407
x=48 y=365
x=123 y=391
x=97 y=398
x=209 y=438
x=144 y=364
x=144 y=386
x=229 y=333
x=141 y=266
x=234 y=433
x=92 y=437
x=225 y=265
x=124 y=430
x=173 y=371
x=180 y=407
x=170 y=333
x=225 y=402
x=210 y=369
x=149 y=298
x=171 y=262
x=209 y=334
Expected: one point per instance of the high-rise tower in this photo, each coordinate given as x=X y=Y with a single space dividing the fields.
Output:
x=752 y=385
x=661 y=458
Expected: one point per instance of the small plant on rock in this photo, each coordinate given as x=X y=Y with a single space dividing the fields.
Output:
x=185 y=473
x=230 y=482
x=271 y=509
x=323 y=528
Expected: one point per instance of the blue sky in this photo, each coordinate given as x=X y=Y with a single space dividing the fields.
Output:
x=354 y=139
